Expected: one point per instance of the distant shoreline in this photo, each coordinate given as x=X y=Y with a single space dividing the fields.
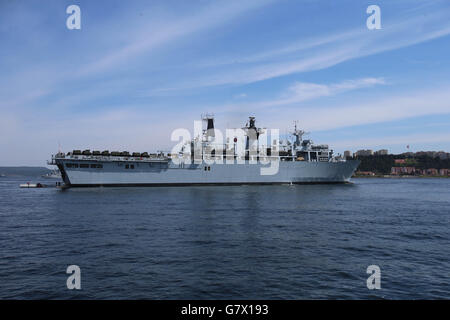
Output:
x=23 y=171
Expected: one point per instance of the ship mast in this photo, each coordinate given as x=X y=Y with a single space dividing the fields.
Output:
x=252 y=136
x=298 y=134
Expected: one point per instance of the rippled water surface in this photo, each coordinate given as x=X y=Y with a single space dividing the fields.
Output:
x=255 y=242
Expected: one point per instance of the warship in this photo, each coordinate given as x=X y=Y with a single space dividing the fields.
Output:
x=243 y=159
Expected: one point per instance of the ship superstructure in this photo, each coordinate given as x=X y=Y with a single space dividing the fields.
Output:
x=243 y=159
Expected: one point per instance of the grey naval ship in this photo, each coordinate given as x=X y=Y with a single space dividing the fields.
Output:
x=201 y=161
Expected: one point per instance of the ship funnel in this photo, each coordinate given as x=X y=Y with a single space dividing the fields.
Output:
x=209 y=119
x=210 y=124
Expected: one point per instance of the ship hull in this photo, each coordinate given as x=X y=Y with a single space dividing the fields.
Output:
x=114 y=174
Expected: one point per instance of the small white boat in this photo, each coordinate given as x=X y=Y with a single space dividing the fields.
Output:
x=32 y=185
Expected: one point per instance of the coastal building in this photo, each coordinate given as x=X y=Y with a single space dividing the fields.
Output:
x=365 y=173
x=347 y=154
x=403 y=170
x=382 y=152
x=444 y=172
x=364 y=153
x=443 y=155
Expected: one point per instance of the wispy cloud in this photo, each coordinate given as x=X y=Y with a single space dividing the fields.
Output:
x=304 y=91
x=214 y=14
x=135 y=42
x=324 y=51
x=383 y=109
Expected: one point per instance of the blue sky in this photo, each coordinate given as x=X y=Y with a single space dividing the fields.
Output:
x=137 y=70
